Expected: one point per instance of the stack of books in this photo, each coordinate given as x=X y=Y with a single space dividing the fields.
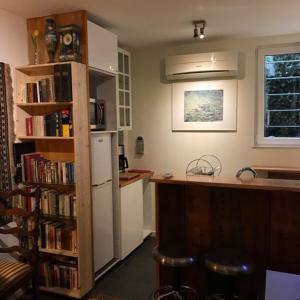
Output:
x=58 y=275
x=56 y=124
x=39 y=91
x=57 y=235
x=59 y=205
x=37 y=169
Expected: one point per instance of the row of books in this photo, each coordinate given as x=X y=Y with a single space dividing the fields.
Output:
x=60 y=205
x=38 y=169
x=57 y=235
x=39 y=91
x=57 y=87
x=56 y=124
x=58 y=275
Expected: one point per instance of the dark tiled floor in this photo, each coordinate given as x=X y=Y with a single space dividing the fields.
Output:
x=134 y=278
x=131 y=279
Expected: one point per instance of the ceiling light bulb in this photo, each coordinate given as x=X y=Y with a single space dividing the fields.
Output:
x=202 y=36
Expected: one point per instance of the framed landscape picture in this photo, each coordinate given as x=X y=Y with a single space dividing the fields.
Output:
x=204 y=106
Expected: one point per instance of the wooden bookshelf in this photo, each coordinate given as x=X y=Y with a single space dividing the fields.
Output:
x=75 y=149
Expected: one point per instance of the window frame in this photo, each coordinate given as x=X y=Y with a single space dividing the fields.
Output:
x=260 y=139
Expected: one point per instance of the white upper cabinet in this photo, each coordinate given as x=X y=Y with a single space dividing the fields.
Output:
x=102 y=48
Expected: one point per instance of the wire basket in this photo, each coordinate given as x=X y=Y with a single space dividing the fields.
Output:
x=207 y=164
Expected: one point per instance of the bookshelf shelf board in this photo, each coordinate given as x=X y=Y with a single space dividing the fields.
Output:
x=44 y=107
x=67 y=220
x=40 y=70
x=62 y=291
x=59 y=252
x=61 y=188
x=56 y=138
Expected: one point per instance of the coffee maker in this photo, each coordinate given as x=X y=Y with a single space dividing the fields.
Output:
x=123 y=162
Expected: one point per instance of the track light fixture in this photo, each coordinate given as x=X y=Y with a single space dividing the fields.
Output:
x=199 y=29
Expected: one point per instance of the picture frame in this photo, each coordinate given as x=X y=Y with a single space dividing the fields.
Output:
x=204 y=106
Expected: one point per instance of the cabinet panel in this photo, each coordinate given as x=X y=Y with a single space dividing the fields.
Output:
x=131 y=198
x=101 y=158
x=103 y=225
x=102 y=49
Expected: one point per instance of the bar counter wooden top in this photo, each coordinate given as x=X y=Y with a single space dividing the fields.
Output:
x=232 y=182
x=260 y=218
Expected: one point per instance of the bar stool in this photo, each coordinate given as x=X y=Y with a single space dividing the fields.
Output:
x=176 y=258
x=231 y=264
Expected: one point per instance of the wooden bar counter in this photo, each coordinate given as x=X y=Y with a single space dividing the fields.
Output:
x=261 y=218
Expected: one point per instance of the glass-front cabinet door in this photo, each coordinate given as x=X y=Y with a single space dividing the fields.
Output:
x=125 y=117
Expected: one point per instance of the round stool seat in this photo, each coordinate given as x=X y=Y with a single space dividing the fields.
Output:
x=173 y=256
x=228 y=262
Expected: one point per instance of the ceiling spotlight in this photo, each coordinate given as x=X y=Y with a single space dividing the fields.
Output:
x=202 y=35
x=199 y=29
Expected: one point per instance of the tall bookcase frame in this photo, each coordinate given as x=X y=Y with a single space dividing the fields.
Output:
x=76 y=149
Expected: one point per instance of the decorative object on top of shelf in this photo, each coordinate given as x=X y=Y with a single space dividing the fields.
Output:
x=34 y=38
x=199 y=29
x=246 y=174
x=207 y=164
x=204 y=106
x=139 y=148
x=50 y=39
x=69 y=43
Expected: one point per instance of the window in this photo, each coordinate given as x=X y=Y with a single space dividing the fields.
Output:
x=278 y=110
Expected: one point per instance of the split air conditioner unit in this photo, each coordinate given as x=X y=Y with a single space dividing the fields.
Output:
x=202 y=65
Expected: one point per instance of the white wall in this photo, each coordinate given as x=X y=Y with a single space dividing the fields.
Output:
x=171 y=151
x=13 y=51
x=13 y=33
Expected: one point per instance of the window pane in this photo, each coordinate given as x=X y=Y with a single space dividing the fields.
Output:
x=121 y=98
x=127 y=111
x=120 y=62
x=126 y=64
x=127 y=102
x=127 y=83
x=282 y=95
x=121 y=82
x=122 y=121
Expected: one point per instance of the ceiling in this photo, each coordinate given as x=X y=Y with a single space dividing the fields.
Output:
x=141 y=23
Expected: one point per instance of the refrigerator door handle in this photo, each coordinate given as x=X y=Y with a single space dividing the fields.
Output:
x=99 y=184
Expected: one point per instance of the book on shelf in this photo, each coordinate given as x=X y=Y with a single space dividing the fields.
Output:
x=63 y=82
x=18 y=150
x=58 y=124
x=58 y=275
x=37 y=169
x=58 y=205
x=38 y=91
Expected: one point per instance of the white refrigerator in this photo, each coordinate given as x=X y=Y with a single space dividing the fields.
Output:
x=102 y=199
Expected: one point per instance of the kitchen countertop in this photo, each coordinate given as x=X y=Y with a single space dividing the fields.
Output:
x=232 y=182
x=138 y=176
